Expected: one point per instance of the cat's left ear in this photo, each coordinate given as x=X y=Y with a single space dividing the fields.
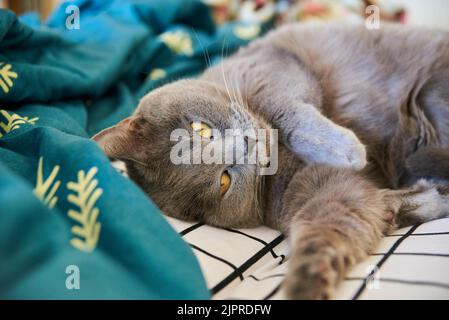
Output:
x=121 y=141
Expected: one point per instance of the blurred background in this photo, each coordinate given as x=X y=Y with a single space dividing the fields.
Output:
x=430 y=13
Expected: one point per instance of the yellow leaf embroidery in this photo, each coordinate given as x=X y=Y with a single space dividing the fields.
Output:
x=247 y=32
x=14 y=121
x=178 y=41
x=42 y=187
x=6 y=76
x=85 y=195
x=157 y=74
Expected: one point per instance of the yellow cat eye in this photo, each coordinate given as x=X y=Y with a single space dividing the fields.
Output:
x=202 y=129
x=225 y=182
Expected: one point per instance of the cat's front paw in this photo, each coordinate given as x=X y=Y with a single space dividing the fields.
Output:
x=349 y=151
x=333 y=145
x=311 y=277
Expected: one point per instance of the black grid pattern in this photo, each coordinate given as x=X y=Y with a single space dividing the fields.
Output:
x=401 y=244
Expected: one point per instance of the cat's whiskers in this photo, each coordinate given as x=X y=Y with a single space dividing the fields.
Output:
x=206 y=58
x=246 y=93
x=244 y=100
x=135 y=161
x=223 y=73
x=234 y=87
x=204 y=49
x=259 y=183
x=238 y=96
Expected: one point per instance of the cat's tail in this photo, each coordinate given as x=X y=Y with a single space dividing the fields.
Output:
x=429 y=162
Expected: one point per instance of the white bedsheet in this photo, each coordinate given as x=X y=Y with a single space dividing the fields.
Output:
x=411 y=263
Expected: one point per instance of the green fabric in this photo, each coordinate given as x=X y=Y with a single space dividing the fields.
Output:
x=61 y=201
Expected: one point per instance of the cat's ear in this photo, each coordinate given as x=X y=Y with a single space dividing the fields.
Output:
x=121 y=141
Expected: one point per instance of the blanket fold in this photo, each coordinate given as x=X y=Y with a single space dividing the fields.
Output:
x=71 y=227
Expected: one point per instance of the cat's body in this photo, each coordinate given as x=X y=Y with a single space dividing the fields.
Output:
x=390 y=87
x=356 y=77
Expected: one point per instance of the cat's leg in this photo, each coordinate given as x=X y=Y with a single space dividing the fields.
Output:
x=293 y=99
x=426 y=200
x=335 y=218
x=284 y=92
x=319 y=140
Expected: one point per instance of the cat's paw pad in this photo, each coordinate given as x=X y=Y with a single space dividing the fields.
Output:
x=311 y=278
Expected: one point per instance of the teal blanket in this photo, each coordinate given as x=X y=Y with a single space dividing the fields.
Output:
x=71 y=227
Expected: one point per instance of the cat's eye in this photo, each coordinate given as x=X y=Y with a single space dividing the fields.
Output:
x=202 y=129
x=225 y=182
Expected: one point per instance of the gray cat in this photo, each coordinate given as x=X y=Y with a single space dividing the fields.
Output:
x=362 y=115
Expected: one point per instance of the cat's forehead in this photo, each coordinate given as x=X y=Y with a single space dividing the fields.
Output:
x=195 y=100
x=182 y=95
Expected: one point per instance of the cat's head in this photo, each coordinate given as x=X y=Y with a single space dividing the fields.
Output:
x=218 y=194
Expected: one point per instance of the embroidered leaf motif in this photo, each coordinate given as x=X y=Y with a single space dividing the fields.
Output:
x=178 y=41
x=42 y=187
x=6 y=76
x=157 y=74
x=247 y=32
x=85 y=195
x=14 y=121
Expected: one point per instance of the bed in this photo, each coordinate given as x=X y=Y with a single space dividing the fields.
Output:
x=73 y=227
x=410 y=263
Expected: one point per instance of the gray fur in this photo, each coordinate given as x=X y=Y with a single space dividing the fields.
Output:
x=343 y=98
